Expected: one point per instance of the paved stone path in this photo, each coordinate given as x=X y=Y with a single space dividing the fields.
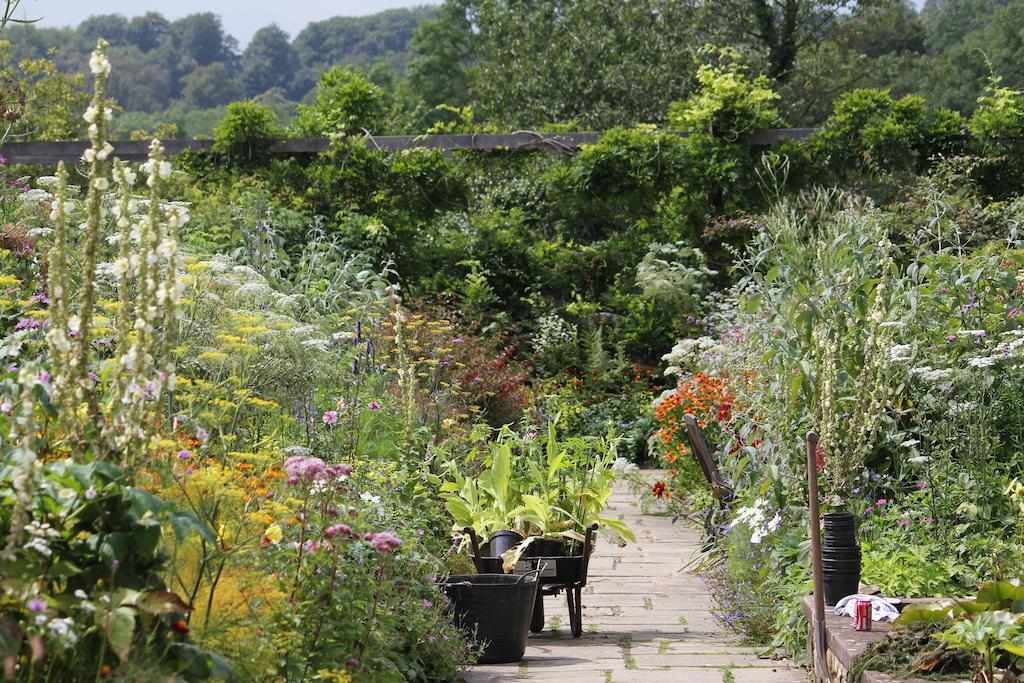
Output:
x=643 y=619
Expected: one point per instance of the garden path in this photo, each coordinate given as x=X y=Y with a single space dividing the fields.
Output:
x=644 y=620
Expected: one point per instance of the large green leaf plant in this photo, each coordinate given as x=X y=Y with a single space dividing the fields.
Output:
x=539 y=487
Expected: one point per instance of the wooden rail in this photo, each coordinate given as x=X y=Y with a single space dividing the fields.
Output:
x=567 y=143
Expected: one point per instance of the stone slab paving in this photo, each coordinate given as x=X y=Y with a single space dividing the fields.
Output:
x=644 y=620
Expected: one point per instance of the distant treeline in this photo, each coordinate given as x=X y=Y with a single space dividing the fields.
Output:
x=544 y=64
x=194 y=63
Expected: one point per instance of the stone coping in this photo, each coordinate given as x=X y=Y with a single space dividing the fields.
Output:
x=845 y=643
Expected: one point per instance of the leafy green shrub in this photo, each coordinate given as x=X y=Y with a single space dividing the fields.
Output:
x=870 y=133
x=998 y=127
x=346 y=104
x=727 y=103
x=618 y=179
x=245 y=130
x=674 y=275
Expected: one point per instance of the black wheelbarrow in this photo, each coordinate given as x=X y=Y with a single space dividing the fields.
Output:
x=556 y=573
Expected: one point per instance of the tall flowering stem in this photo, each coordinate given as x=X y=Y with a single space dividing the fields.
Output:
x=144 y=366
x=125 y=179
x=97 y=115
x=845 y=438
x=23 y=433
x=57 y=283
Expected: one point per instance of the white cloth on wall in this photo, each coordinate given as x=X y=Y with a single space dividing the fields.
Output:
x=881 y=609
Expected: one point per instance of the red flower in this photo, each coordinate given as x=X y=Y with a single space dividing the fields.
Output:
x=180 y=626
x=658 y=489
x=819 y=458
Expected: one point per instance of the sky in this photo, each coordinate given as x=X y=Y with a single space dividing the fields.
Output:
x=241 y=18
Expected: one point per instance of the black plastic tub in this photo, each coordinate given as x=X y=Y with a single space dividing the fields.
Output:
x=545 y=547
x=498 y=608
x=553 y=570
x=502 y=541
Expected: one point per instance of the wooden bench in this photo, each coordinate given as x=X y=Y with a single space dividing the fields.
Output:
x=723 y=492
x=714 y=526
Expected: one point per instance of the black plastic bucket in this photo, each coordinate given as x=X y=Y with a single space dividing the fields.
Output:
x=841 y=527
x=545 y=547
x=501 y=541
x=498 y=607
x=840 y=557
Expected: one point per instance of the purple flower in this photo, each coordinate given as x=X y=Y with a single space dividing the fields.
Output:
x=338 y=530
x=868 y=510
x=922 y=485
x=904 y=522
x=881 y=501
x=457 y=340
x=184 y=455
x=927 y=520
x=331 y=417
x=383 y=541
x=37 y=605
x=374 y=406
x=427 y=604
x=305 y=467
x=338 y=471
x=202 y=435
x=951 y=338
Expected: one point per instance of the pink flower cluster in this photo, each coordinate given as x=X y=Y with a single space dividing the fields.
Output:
x=313 y=469
x=342 y=530
x=383 y=541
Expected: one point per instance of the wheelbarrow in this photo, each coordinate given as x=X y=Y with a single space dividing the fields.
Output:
x=557 y=573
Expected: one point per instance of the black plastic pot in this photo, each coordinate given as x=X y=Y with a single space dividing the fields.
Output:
x=545 y=547
x=497 y=607
x=840 y=557
x=501 y=541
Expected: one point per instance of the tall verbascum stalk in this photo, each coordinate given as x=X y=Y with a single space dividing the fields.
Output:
x=125 y=179
x=148 y=300
x=845 y=438
x=57 y=283
x=144 y=367
x=406 y=379
x=827 y=349
x=80 y=325
x=23 y=433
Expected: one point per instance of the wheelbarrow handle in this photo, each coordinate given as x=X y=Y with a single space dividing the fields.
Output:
x=474 y=544
x=588 y=547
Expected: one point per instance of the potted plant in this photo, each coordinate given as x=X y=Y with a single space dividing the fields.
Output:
x=490 y=503
x=542 y=500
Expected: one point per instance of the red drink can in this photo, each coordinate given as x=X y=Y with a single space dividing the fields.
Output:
x=862 y=616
